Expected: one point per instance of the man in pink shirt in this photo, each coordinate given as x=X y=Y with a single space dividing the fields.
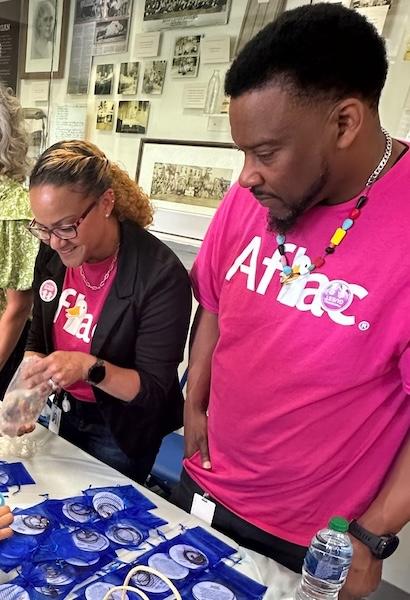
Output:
x=299 y=377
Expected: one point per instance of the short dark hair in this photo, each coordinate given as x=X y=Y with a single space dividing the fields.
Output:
x=323 y=49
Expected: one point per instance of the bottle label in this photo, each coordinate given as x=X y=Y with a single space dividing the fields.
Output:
x=327 y=568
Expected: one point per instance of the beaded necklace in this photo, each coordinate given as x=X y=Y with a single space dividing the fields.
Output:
x=289 y=273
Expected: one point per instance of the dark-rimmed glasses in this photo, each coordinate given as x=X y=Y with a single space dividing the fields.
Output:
x=63 y=232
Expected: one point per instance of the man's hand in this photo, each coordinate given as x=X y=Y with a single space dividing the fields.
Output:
x=62 y=368
x=364 y=575
x=6 y=519
x=196 y=434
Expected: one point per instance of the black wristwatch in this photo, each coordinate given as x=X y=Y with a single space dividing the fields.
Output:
x=381 y=546
x=96 y=373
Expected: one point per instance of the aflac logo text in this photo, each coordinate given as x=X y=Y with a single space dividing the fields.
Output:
x=327 y=297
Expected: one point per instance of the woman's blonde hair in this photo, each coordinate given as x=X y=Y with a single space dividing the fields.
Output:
x=82 y=165
x=13 y=137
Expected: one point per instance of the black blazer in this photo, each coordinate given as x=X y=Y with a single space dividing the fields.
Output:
x=143 y=326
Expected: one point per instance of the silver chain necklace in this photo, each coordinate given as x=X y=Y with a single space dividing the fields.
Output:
x=104 y=280
x=385 y=159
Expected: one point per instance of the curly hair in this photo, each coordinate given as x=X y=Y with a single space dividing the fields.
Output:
x=323 y=50
x=82 y=165
x=13 y=137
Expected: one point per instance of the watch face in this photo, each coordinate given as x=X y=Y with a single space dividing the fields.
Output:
x=387 y=547
x=97 y=373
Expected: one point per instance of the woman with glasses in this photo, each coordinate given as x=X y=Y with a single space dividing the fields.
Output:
x=111 y=309
x=18 y=249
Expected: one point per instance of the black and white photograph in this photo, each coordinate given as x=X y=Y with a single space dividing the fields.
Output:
x=105 y=115
x=43 y=30
x=370 y=3
x=128 y=80
x=185 y=67
x=95 y=10
x=111 y=31
x=154 y=77
x=103 y=80
x=189 y=184
x=44 y=34
x=188 y=45
x=132 y=116
x=167 y=14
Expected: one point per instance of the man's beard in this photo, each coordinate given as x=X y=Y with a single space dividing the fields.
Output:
x=284 y=225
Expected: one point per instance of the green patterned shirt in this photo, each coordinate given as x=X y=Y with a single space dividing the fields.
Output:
x=18 y=248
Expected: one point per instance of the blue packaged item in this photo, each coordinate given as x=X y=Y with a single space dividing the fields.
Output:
x=128 y=528
x=13 y=474
x=31 y=527
x=74 y=511
x=223 y=583
x=57 y=578
x=82 y=543
x=108 y=500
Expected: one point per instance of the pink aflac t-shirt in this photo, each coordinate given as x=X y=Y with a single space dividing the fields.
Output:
x=309 y=400
x=77 y=315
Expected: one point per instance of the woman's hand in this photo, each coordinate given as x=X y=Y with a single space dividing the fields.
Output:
x=6 y=519
x=60 y=369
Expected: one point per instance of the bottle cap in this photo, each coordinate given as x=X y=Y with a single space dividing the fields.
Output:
x=339 y=524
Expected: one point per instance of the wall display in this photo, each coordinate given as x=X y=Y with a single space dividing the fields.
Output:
x=105 y=115
x=133 y=116
x=147 y=44
x=167 y=14
x=216 y=49
x=128 y=80
x=154 y=77
x=103 y=79
x=112 y=20
x=187 y=173
x=257 y=15
x=185 y=63
x=68 y=122
x=9 y=42
x=81 y=58
x=44 y=38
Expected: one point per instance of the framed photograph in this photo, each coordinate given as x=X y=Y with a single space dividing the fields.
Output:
x=103 y=80
x=44 y=38
x=105 y=115
x=185 y=67
x=132 y=116
x=128 y=81
x=154 y=77
x=186 y=181
x=175 y=14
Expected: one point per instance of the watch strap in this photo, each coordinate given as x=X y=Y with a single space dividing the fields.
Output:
x=369 y=539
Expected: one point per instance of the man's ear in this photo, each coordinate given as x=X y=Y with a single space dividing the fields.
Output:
x=348 y=116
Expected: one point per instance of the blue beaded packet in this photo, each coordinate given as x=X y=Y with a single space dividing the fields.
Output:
x=108 y=500
x=225 y=583
x=12 y=474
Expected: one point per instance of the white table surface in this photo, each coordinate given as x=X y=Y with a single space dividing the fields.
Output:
x=62 y=470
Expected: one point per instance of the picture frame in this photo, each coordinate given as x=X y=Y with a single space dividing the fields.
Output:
x=44 y=38
x=186 y=181
x=174 y=14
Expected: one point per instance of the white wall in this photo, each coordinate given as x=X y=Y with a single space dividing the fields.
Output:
x=168 y=120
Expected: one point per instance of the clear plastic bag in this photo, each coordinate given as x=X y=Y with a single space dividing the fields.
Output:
x=22 y=406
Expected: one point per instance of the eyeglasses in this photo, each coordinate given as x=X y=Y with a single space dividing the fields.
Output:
x=63 y=232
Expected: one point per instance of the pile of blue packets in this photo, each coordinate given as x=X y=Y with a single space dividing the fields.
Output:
x=59 y=543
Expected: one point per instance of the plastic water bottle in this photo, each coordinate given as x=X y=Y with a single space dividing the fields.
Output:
x=326 y=563
x=212 y=94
